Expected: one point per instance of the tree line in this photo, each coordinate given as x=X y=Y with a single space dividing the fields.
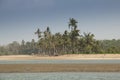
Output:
x=70 y=42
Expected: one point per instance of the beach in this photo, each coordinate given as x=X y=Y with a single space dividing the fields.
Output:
x=60 y=67
x=61 y=57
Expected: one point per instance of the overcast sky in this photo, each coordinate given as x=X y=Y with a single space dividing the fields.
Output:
x=19 y=19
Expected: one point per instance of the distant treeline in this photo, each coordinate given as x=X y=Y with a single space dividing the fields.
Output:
x=70 y=42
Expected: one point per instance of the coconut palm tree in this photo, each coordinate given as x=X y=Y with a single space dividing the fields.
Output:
x=74 y=32
x=39 y=33
x=48 y=39
x=72 y=24
x=89 y=42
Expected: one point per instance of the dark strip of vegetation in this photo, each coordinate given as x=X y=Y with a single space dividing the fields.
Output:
x=58 y=44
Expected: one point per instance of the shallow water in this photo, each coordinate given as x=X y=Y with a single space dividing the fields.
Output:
x=59 y=61
x=61 y=76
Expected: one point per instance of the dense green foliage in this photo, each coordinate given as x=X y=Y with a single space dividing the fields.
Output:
x=70 y=42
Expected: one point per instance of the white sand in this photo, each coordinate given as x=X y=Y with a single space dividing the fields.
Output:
x=63 y=57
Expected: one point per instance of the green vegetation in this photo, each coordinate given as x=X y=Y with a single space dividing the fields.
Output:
x=58 y=44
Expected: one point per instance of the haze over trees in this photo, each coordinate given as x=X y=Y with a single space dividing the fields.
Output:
x=70 y=42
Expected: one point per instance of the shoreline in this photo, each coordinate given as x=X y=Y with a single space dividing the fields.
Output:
x=34 y=68
x=62 y=67
x=61 y=57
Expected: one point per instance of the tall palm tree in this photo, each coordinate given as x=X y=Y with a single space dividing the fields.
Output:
x=48 y=38
x=72 y=24
x=74 y=32
x=39 y=33
x=47 y=33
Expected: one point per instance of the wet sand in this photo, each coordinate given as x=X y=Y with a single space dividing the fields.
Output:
x=33 y=68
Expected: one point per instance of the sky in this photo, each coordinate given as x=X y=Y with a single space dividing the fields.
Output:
x=19 y=19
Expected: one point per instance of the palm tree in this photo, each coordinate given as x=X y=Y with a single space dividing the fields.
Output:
x=39 y=33
x=66 y=41
x=48 y=38
x=74 y=32
x=89 y=42
x=72 y=24
x=89 y=38
x=59 y=42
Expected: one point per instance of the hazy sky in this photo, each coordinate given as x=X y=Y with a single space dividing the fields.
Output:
x=19 y=19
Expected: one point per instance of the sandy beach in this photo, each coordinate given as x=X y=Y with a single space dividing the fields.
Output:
x=62 y=57
x=11 y=68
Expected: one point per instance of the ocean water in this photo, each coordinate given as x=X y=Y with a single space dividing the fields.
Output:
x=59 y=61
x=61 y=76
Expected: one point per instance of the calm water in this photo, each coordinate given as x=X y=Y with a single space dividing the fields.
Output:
x=59 y=61
x=60 y=76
